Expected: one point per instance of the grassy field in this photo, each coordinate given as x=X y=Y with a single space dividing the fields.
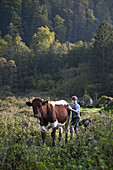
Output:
x=21 y=144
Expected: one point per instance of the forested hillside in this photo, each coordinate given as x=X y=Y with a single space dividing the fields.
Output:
x=62 y=47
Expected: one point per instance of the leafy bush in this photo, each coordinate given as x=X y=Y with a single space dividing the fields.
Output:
x=86 y=101
x=104 y=101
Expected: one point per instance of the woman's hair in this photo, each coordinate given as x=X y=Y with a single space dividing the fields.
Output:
x=74 y=98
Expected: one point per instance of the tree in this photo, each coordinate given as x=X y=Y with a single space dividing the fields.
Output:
x=102 y=11
x=45 y=82
x=60 y=28
x=8 y=74
x=16 y=7
x=41 y=43
x=20 y=53
x=11 y=73
x=13 y=31
x=34 y=15
x=3 y=47
x=109 y=84
x=3 y=63
x=79 y=20
x=102 y=55
x=42 y=39
x=91 y=24
x=103 y=41
x=5 y=16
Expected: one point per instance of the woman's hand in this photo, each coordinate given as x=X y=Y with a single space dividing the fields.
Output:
x=69 y=107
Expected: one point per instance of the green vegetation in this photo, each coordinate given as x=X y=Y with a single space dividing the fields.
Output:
x=56 y=49
x=21 y=144
x=60 y=47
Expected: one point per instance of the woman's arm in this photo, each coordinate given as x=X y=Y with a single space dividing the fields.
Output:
x=74 y=111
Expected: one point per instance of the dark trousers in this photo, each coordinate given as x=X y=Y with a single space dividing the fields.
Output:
x=74 y=125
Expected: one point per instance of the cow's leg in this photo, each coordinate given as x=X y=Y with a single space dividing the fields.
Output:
x=60 y=133
x=54 y=136
x=66 y=132
x=44 y=137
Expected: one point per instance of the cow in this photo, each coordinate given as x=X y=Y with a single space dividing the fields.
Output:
x=51 y=114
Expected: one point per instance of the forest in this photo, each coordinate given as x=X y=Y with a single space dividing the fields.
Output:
x=58 y=48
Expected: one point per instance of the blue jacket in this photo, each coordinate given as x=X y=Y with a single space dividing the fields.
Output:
x=76 y=107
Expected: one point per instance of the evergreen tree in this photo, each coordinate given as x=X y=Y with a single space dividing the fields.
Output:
x=16 y=7
x=5 y=16
x=3 y=47
x=102 y=55
x=79 y=20
x=3 y=63
x=102 y=11
x=34 y=15
x=60 y=28
x=11 y=73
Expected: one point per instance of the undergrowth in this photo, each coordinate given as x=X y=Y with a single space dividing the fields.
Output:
x=21 y=145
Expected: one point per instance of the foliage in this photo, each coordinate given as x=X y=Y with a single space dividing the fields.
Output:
x=105 y=101
x=99 y=62
x=42 y=39
x=70 y=40
x=6 y=91
x=78 y=19
x=21 y=144
x=86 y=101
x=60 y=28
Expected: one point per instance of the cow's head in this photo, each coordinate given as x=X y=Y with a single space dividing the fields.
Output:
x=37 y=104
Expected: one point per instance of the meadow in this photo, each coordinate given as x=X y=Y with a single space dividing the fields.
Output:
x=21 y=145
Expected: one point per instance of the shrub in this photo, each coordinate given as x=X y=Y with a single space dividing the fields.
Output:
x=104 y=101
x=86 y=101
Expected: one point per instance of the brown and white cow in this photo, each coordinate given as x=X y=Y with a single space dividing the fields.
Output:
x=51 y=115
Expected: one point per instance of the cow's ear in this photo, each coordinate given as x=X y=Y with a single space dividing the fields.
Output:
x=29 y=103
x=44 y=102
